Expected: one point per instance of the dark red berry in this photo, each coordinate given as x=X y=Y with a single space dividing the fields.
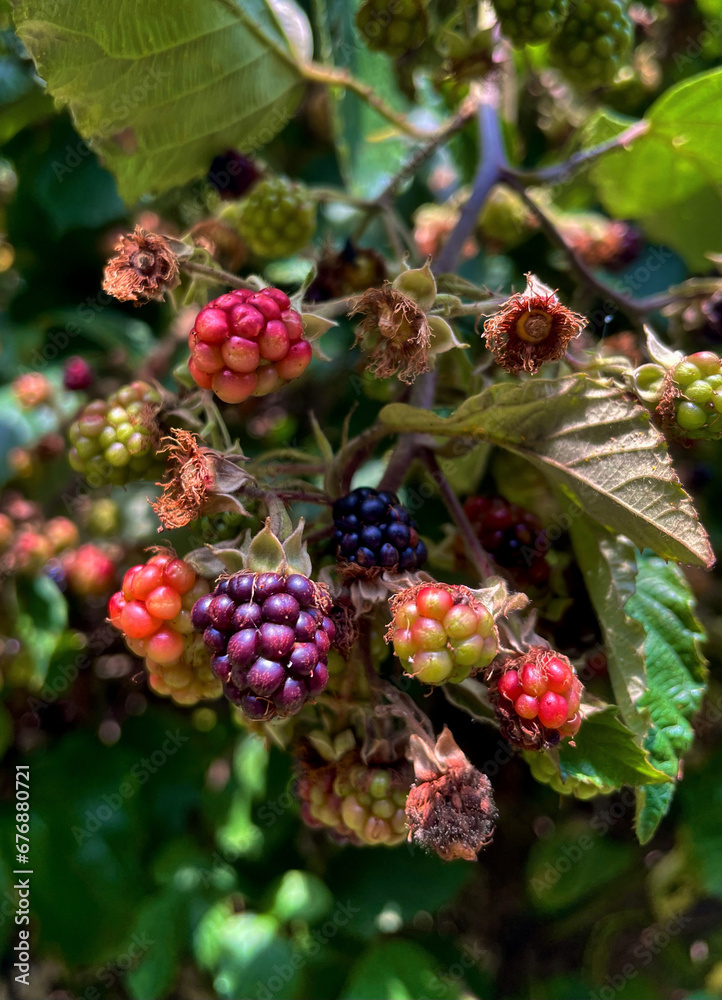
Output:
x=77 y=374
x=232 y=174
x=281 y=608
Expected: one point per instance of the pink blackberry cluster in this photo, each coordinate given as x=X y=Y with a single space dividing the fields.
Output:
x=247 y=343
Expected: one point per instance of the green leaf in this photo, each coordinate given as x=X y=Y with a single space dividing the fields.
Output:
x=369 y=150
x=158 y=96
x=669 y=178
x=157 y=934
x=593 y=443
x=701 y=800
x=42 y=617
x=609 y=567
x=397 y=970
x=301 y=896
x=251 y=948
x=606 y=753
x=676 y=677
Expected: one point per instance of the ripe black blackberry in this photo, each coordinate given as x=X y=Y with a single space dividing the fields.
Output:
x=593 y=42
x=374 y=530
x=270 y=636
x=232 y=174
x=512 y=535
x=530 y=22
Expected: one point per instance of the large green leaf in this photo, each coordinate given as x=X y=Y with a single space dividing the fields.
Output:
x=594 y=443
x=669 y=178
x=157 y=92
x=398 y=970
x=609 y=567
x=42 y=617
x=664 y=604
x=605 y=753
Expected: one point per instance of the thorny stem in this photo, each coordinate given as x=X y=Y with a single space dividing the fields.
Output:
x=475 y=550
x=216 y=274
x=562 y=171
x=493 y=159
x=332 y=77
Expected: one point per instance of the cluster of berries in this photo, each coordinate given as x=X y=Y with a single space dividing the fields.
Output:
x=30 y=545
x=115 y=441
x=699 y=378
x=394 y=30
x=354 y=802
x=276 y=218
x=536 y=696
x=374 y=530
x=269 y=635
x=589 y=40
x=153 y=611
x=442 y=634
x=513 y=536
x=247 y=343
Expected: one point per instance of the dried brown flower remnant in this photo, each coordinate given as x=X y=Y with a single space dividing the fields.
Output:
x=185 y=495
x=144 y=269
x=396 y=332
x=532 y=327
x=450 y=809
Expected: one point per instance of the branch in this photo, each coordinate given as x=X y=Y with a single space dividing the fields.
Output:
x=493 y=159
x=561 y=171
x=475 y=551
x=332 y=77
x=217 y=275
x=422 y=396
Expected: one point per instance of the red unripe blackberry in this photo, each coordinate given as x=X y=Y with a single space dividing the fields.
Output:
x=277 y=218
x=374 y=530
x=593 y=42
x=513 y=536
x=114 y=441
x=536 y=697
x=247 y=343
x=357 y=803
x=89 y=570
x=77 y=374
x=269 y=636
x=153 y=610
x=442 y=633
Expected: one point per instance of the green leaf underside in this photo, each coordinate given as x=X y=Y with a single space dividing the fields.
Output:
x=591 y=441
x=609 y=567
x=606 y=753
x=664 y=604
x=672 y=170
x=158 y=95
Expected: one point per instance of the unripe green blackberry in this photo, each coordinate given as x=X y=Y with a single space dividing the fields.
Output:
x=394 y=28
x=115 y=441
x=355 y=802
x=545 y=771
x=442 y=634
x=530 y=22
x=697 y=411
x=593 y=42
x=277 y=218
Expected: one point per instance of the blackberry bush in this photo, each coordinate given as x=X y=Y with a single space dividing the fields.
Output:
x=277 y=218
x=531 y=21
x=247 y=343
x=153 y=611
x=374 y=530
x=115 y=441
x=593 y=43
x=270 y=635
x=442 y=634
